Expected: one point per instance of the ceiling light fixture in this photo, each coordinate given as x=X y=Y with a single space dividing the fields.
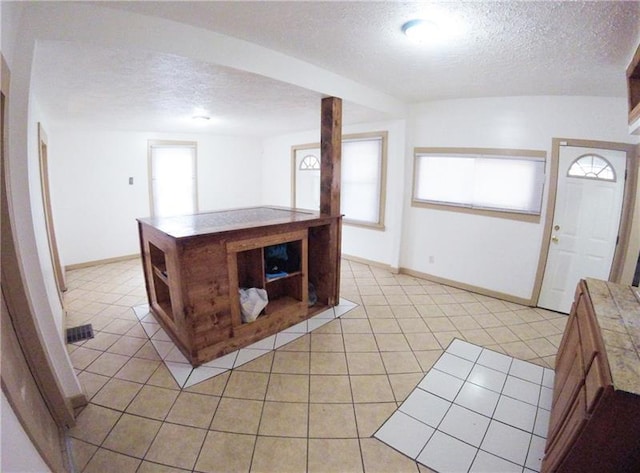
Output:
x=200 y=115
x=421 y=31
x=440 y=27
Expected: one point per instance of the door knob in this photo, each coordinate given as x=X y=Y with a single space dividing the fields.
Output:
x=555 y=239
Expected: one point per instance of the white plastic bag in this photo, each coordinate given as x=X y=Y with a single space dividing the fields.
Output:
x=252 y=301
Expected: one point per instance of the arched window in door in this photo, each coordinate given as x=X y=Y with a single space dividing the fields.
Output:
x=592 y=166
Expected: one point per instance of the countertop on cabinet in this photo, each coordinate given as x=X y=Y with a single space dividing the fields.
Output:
x=617 y=310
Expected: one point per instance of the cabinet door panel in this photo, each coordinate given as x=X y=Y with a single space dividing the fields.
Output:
x=565 y=358
x=589 y=336
x=595 y=383
x=559 y=447
x=570 y=371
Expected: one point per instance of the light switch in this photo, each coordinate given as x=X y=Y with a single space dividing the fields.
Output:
x=131 y=181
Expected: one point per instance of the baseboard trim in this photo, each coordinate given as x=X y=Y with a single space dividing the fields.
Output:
x=79 y=400
x=88 y=264
x=376 y=264
x=447 y=282
x=468 y=287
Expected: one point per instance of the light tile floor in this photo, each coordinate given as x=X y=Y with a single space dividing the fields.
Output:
x=187 y=376
x=310 y=405
x=476 y=410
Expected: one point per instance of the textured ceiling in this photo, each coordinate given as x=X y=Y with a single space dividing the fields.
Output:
x=510 y=48
x=507 y=48
x=142 y=90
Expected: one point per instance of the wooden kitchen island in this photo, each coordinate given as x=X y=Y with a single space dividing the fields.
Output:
x=194 y=266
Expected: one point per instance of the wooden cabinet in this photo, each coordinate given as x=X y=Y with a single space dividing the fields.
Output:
x=595 y=417
x=195 y=265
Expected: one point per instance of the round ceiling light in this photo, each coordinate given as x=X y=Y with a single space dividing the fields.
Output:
x=441 y=26
x=200 y=115
x=421 y=31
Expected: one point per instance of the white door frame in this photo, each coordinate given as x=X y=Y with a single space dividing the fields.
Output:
x=626 y=214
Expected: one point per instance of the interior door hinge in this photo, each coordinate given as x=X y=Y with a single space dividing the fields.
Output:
x=617 y=240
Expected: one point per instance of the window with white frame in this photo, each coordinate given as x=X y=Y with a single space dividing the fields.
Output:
x=362 y=170
x=173 y=178
x=489 y=180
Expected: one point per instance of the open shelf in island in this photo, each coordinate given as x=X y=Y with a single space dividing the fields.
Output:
x=195 y=265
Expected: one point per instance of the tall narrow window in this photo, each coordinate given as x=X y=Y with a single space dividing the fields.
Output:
x=363 y=167
x=173 y=178
x=361 y=176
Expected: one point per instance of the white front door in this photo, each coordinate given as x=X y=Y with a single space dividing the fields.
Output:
x=585 y=223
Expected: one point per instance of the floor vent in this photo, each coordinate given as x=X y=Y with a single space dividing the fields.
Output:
x=77 y=334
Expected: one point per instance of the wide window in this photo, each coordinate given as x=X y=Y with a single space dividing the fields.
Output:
x=172 y=169
x=507 y=181
x=362 y=178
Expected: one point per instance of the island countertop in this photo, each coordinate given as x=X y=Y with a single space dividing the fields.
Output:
x=617 y=310
x=184 y=226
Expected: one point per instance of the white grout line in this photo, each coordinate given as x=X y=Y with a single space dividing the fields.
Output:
x=185 y=375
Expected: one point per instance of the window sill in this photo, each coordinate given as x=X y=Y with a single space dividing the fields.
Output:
x=505 y=214
x=365 y=225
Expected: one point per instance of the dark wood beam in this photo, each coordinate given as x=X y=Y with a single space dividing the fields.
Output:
x=330 y=156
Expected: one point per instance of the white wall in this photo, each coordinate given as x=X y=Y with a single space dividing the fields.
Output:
x=24 y=457
x=95 y=208
x=25 y=201
x=18 y=453
x=37 y=205
x=492 y=253
x=376 y=245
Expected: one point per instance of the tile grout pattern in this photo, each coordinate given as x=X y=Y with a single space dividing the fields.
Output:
x=186 y=376
x=310 y=405
x=476 y=410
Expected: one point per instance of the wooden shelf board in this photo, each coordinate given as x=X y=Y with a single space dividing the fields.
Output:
x=163 y=277
x=288 y=275
x=281 y=303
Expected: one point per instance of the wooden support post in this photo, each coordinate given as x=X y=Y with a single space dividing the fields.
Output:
x=330 y=157
x=330 y=154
